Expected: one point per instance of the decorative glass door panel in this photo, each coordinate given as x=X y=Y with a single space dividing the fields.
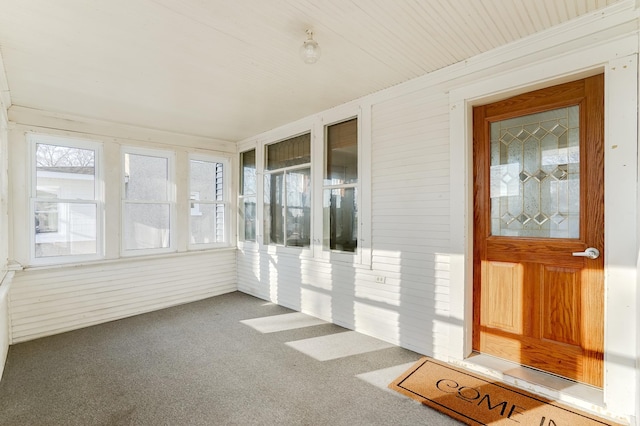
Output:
x=535 y=175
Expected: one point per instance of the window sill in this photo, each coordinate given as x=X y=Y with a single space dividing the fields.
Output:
x=350 y=259
x=302 y=252
x=306 y=253
x=251 y=246
x=119 y=260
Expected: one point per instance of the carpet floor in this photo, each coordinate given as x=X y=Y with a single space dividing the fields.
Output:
x=228 y=360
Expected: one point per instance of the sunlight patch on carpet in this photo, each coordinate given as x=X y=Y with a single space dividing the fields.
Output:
x=282 y=322
x=338 y=345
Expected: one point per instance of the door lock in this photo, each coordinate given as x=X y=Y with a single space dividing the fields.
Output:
x=591 y=253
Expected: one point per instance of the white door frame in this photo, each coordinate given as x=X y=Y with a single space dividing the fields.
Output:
x=618 y=60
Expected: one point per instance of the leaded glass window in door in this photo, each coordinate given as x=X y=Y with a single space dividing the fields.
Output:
x=535 y=175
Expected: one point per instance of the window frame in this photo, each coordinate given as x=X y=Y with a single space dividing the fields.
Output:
x=262 y=175
x=171 y=199
x=315 y=124
x=240 y=198
x=226 y=189
x=70 y=142
x=338 y=186
x=362 y=254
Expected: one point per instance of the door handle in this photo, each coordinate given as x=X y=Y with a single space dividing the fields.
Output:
x=591 y=253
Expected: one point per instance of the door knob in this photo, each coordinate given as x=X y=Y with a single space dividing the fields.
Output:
x=591 y=253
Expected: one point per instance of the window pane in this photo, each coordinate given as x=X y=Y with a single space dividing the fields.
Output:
x=64 y=229
x=248 y=183
x=273 y=213
x=206 y=180
x=535 y=175
x=146 y=226
x=247 y=201
x=340 y=219
x=64 y=172
x=146 y=177
x=207 y=226
x=298 y=217
x=247 y=231
x=288 y=153
x=342 y=153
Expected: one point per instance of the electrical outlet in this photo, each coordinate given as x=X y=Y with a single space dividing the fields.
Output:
x=380 y=279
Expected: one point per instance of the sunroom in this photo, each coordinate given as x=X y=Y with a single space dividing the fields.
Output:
x=459 y=179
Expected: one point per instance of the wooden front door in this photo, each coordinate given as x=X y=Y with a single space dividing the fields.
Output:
x=538 y=211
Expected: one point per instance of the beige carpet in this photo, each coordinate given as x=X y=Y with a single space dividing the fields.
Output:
x=479 y=401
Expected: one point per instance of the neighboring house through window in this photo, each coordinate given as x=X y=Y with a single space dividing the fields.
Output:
x=148 y=204
x=208 y=202
x=247 y=196
x=66 y=199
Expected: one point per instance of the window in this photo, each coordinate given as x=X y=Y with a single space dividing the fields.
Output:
x=340 y=188
x=287 y=192
x=247 y=196
x=148 y=201
x=208 y=202
x=66 y=200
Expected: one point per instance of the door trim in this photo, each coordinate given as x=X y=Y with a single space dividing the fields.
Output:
x=621 y=124
x=532 y=258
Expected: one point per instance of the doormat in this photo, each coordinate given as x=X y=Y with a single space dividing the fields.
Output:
x=479 y=401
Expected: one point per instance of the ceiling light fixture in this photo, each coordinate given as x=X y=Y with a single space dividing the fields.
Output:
x=310 y=51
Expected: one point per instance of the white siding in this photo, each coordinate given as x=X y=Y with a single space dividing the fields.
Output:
x=343 y=294
x=410 y=213
x=53 y=300
x=4 y=172
x=5 y=278
x=410 y=224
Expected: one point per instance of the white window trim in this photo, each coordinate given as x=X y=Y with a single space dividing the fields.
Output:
x=276 y=249
x=226 y=191
x=362 y=258
x=171 y=200
x=36 y=138
x=247 y=244
x=362 y=255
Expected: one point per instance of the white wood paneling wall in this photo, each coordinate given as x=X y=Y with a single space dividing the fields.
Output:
x=410 y=212
x=47 y=301
x=5 y=102
x=5 y=278
x=410 y=224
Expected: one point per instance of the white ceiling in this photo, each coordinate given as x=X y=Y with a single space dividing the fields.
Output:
x=230 y=69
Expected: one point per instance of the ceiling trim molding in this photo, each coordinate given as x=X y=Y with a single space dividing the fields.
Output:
x=39 y=120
